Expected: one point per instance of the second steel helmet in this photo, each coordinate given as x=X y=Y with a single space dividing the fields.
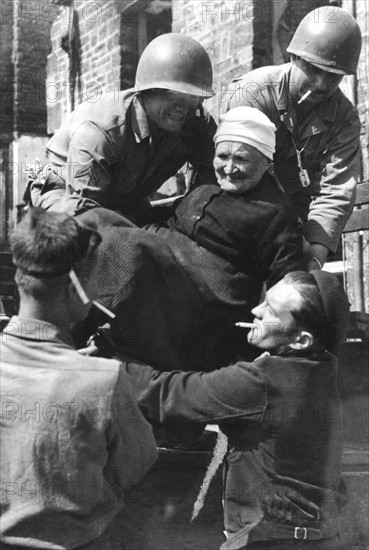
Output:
x=175 y=62
x=328 y=38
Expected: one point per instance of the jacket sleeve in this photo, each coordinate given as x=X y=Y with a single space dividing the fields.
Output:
x=91 y=165
x=131 y=443
x=234 y=392
x=281 y=250
x=74 y=184
x=334 y=184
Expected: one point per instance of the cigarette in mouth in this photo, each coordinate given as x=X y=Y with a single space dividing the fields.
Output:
x=245 y=325
x=104 y=309
x=305 y=96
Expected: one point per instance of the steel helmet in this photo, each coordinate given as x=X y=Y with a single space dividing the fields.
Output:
x=175 y=62
x=330 y=40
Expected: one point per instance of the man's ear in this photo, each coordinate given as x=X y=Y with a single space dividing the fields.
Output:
x=303 y=340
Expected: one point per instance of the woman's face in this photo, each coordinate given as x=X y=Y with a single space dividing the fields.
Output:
x=238 y=166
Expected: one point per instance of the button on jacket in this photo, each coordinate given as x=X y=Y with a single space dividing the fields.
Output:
x=286 y=445
x=73 y=441
x=104 y=154
x=328 y=136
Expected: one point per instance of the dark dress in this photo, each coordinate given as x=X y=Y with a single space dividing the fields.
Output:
x=178 y=290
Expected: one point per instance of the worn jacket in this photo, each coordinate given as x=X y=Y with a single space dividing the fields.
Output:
x=285 y=447
x=105 y=154
x=258 y=232
x=328 y=137
x=73 y=441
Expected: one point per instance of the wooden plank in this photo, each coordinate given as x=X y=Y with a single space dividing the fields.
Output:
x=362 y=193
x=7 y=273
x=358 y=221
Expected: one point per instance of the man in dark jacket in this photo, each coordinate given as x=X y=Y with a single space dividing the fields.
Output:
x=317 y=157
x=282 y=475
x=118 y=150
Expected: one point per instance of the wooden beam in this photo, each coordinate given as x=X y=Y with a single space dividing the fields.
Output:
x=358 y=221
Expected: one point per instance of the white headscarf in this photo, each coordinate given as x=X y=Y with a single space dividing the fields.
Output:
x=247 y=125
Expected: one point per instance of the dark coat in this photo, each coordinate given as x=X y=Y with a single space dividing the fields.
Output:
x=284 y=466
x=176 y=302
x=257 y=232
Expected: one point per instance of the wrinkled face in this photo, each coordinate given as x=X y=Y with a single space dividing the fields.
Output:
x=238 y=166
x=170 y=110
x=275 y=326
x=305 y=76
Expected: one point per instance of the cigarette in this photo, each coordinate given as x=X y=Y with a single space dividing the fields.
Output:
x=245 y=325
x=104 y=309
x=77 y=285
x=305 y=96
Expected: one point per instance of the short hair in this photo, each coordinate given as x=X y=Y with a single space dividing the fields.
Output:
x=310 y=314
x=324 y=309
x=47 y=245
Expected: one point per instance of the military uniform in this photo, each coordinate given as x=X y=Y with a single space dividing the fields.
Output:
x=327 y=138
x=105 y=154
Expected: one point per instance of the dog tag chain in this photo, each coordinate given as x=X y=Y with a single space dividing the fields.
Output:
x=303 y=173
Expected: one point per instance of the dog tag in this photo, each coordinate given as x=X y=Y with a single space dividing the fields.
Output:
x=304 y=178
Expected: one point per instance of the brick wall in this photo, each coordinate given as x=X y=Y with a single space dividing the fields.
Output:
x=95 y=49
x=105 y=50
x=6 y=75
x=226 y=30
x=30 y=48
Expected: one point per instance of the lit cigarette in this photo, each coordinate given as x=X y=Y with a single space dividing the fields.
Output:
x=77 y=285
x=245 y=325
x=85 y=299
x=104 y=309
x=305 y=96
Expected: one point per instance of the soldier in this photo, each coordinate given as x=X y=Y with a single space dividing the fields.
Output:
x=317 y=157
x=73 y=440
x=118 y=150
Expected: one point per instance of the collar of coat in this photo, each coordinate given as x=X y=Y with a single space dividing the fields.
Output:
x=140 y=124
x=28 y=329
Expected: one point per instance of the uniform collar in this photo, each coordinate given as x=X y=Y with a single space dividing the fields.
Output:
x=284 y=102
x=140 y=124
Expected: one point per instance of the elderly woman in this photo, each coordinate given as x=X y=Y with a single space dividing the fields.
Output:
x=178 y=290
